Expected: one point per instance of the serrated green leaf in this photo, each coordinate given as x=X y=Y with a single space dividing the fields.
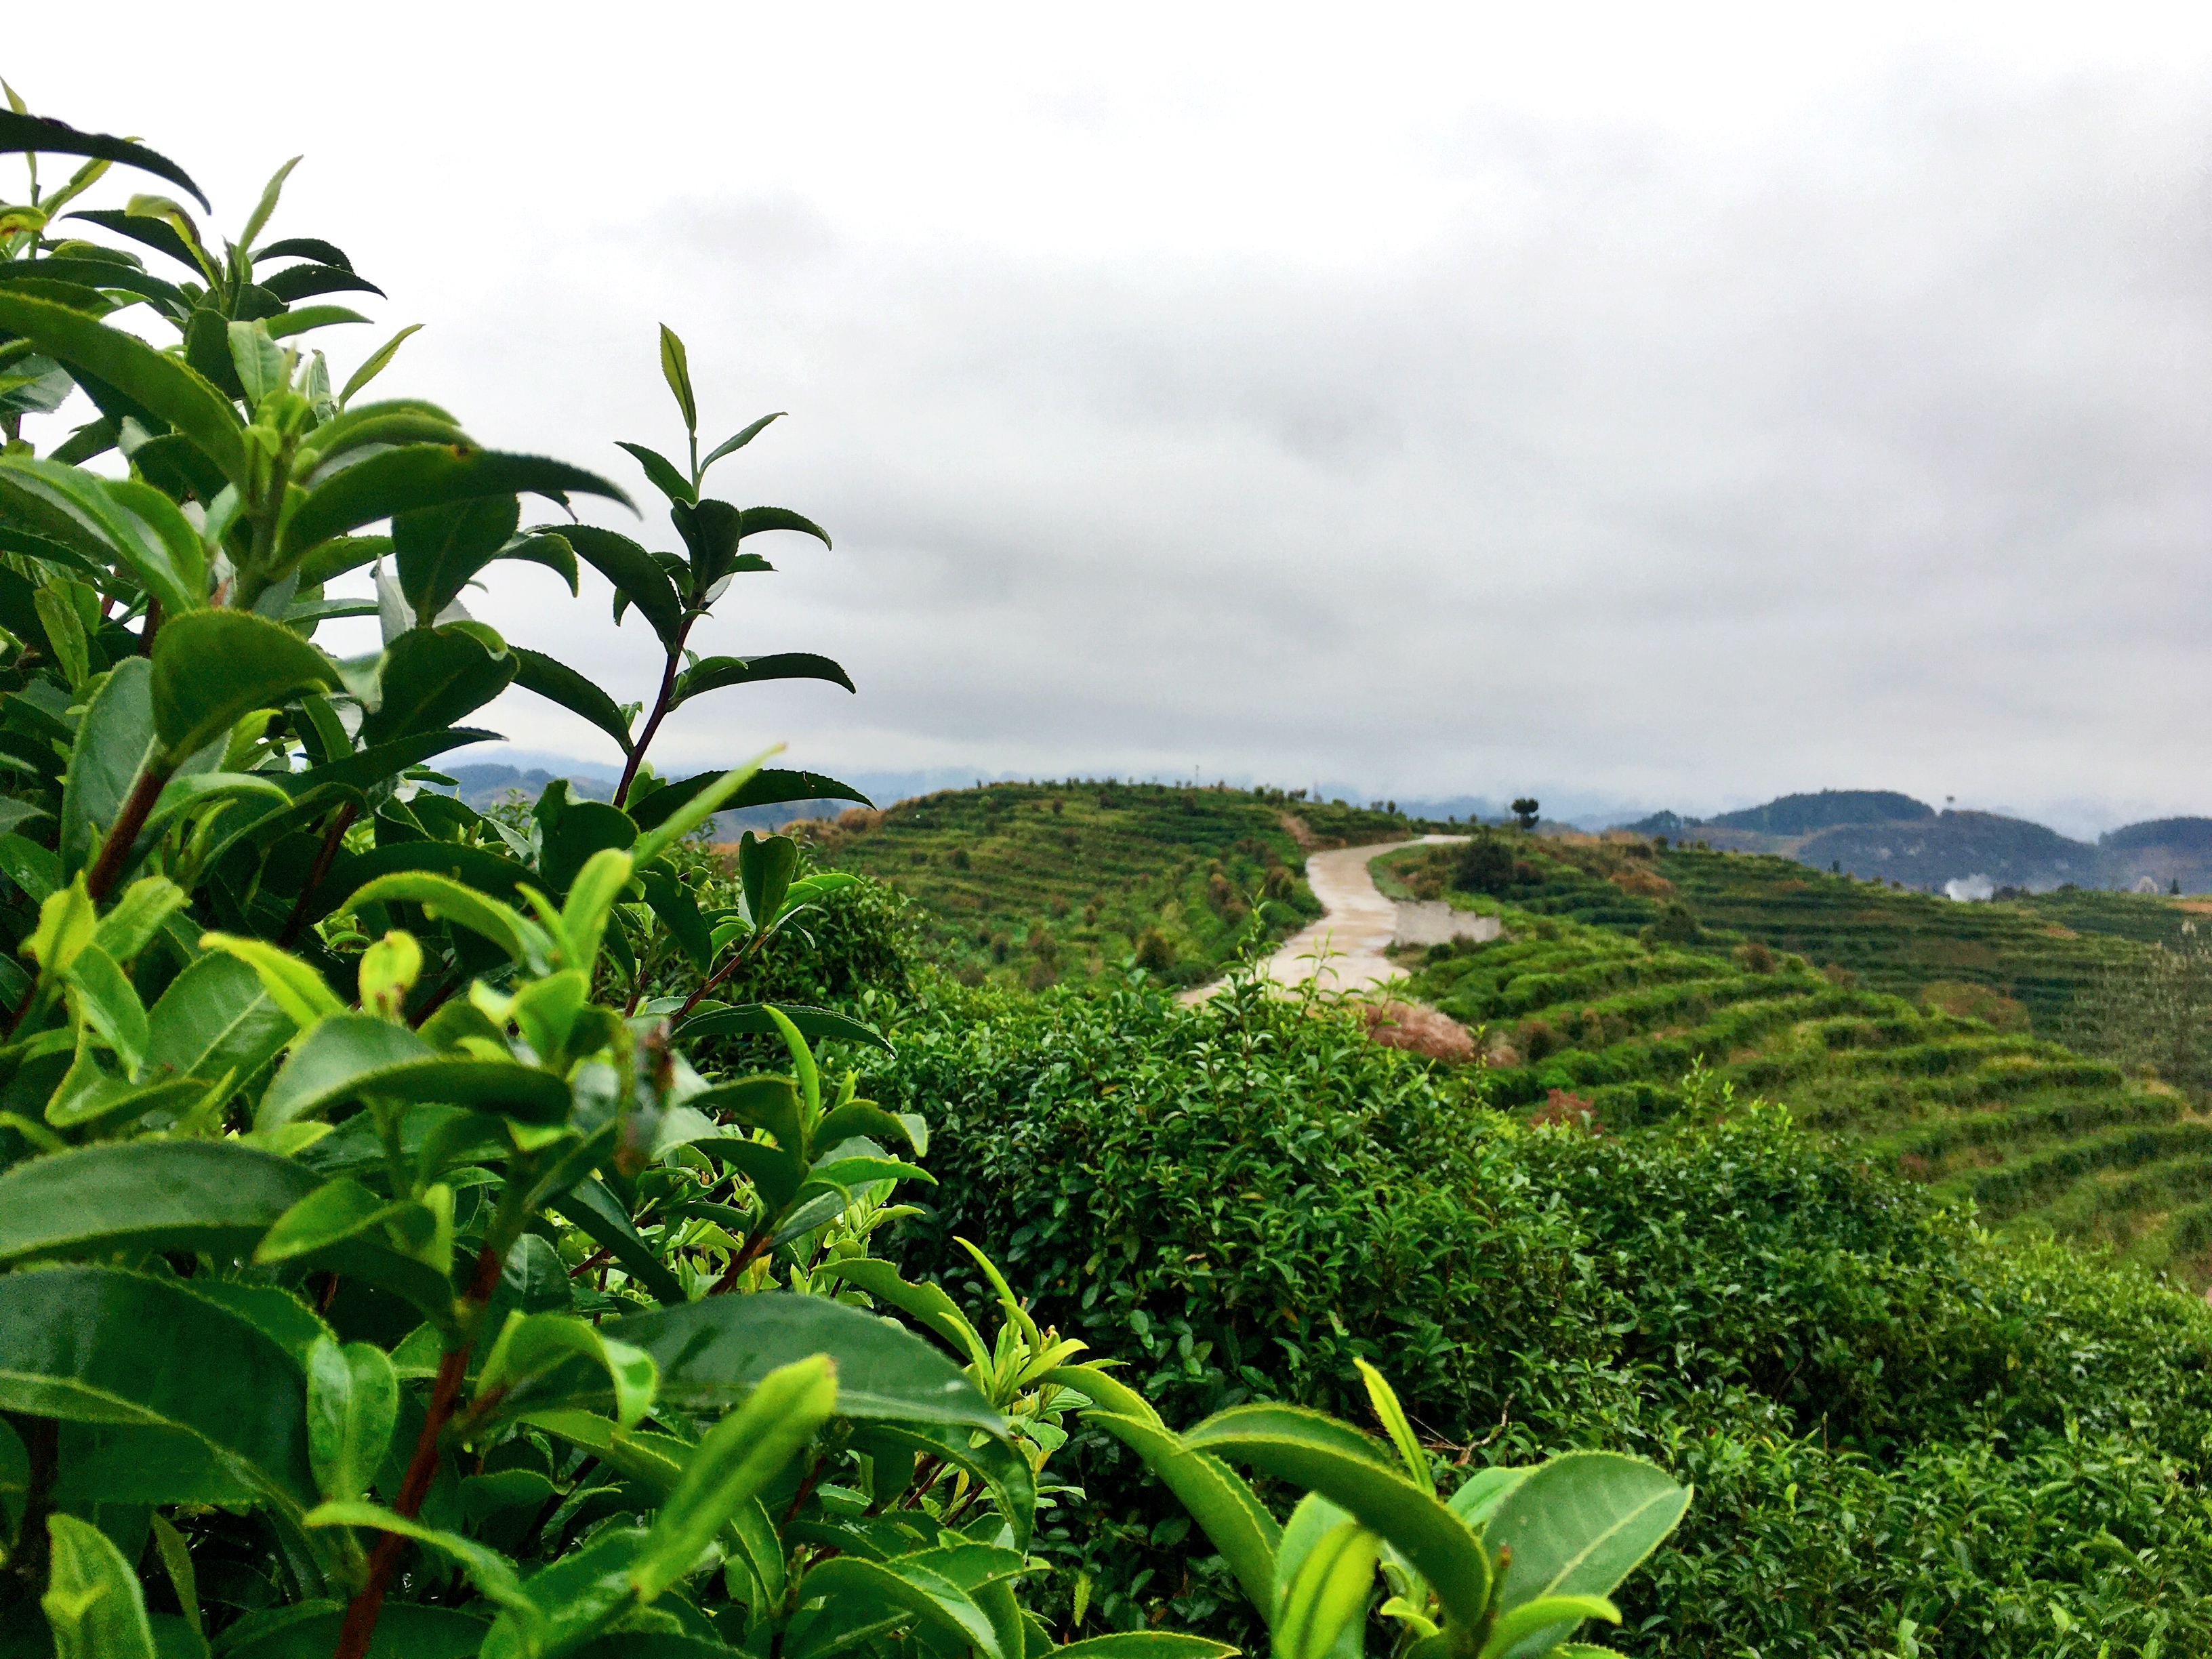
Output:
x=211 y=668
x=416 y=475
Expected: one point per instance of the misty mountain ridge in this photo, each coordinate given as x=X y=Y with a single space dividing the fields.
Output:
x=1886 y=836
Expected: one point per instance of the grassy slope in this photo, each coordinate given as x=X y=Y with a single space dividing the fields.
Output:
x=2031 y=1131
x=1085 y=868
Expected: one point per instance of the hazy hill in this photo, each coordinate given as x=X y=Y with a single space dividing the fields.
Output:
x=1885 y=836
x=1928 y=852
x=1800 y=815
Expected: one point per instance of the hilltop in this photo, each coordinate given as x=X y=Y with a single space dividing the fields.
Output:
x=1036 y=884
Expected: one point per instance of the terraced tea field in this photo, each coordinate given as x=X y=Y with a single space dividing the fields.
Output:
x=2038 y=952
x=1643 y=1030
x=1032 y=883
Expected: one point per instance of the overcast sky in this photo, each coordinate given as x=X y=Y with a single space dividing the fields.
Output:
x=1657 y=407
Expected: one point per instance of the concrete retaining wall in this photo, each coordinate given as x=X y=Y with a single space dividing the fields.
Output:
x=1432 y=922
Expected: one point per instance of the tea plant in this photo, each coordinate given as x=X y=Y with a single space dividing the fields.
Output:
x=379 y=1274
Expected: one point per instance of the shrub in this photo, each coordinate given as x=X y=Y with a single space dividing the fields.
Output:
x=1889 y=1416
x=1485 y=865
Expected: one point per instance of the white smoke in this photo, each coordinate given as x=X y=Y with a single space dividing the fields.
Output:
x=1969 y=887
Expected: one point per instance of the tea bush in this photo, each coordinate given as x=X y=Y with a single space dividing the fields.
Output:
x=377 y=1274
x=1902 y=1431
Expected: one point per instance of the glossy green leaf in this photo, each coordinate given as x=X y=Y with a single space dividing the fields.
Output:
x=752 y=1019
x=718 y=673
x=105 y=1001
x=582 y=831
x=676 y=369
x=189 y=792
x=211 y=668
x=146 y=230
x=358 y=1056
x=1328 y=1594
x=375 y=363
x=417 y=476
x=431 y=677
x=159 y=383
x=769 y=786
x=765 y=865
x=1392 y=1416
x=947 y=1613
x=113 y=740
x=1143 y=1644
x=1000 y=1466
x=695 y=811
x=459 y=903
x=299 y=992
x=635 y=574
x=43 y=134
x=1216 y=1496
x=301 y=319
x=353 y=1404
x=438 y=549
x=1524 y=1629
x=713 y=1354
x=1345 y=1467
x=492 y=1573
x=530 y=1345
x=301 y=281
x=755 y=520
x=665 y=476
x=573 y=1598
x=593 y=1210
x=558 y=683
x=76 y=1344
x=863 y=1117
x=139 y=527
x=388 y=423
x=275 y=1312
x=93 y=1602
x=363 y=769
x=730 y=446
x=1484 y=1491
x=258 y=361
x=1579 y=1524
x=212 y=1195
x=737 y=1457
x=403 y=1245
x=654 y=1461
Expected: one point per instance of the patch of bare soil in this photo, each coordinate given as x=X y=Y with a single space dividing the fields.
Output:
x=1302 y=832
x=1422 y=1030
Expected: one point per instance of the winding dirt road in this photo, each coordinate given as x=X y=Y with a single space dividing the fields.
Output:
x=1344 y=950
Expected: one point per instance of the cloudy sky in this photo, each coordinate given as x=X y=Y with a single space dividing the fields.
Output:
x=1641 y=407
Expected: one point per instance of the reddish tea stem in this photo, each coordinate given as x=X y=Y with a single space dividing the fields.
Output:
x=384 y=1559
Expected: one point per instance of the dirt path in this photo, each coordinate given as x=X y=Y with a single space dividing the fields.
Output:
x=1343 y=950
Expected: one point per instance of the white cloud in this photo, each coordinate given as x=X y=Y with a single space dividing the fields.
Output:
x=1466 y=401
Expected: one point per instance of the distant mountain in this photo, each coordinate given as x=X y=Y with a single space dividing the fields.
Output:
x=1801 y=815
x=2191 y=834
x=1880 y=834
x=483 y=784
x=1930 y=851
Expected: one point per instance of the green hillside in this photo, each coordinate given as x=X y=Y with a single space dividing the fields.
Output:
x=2039 y=952
x=1038 y=883
x=1706 y=1000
